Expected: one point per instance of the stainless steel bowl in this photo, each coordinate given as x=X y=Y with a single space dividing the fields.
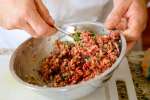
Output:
x=27 y=57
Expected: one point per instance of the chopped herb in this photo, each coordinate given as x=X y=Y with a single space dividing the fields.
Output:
x=76 y=36
x=87 y=58
x=93 y=34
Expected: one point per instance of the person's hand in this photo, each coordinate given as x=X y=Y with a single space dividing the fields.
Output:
x=29 y=15
x=129 y=16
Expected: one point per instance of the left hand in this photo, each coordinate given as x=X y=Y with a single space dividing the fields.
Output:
x=129 y=16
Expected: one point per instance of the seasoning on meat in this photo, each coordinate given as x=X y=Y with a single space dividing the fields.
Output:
x=89 y=56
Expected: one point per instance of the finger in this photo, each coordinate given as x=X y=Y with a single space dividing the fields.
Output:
x=133 y=32
x=39 y=25
x=136 y=23
x=22 y=25
x=123 y=24
x=9 y=24
x=119 y=10
x=43 y=11
x=29 y=29
x=130 y=45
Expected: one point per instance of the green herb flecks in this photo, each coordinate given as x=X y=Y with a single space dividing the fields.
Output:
x=87 y=58
x=93 y=34
x=76 y=36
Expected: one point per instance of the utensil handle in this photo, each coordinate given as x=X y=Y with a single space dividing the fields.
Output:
x=61 y=30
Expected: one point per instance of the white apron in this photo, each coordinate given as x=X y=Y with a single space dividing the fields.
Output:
x=63 y=11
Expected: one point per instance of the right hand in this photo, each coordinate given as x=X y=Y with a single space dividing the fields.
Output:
x=29 y=15
x=130 y=16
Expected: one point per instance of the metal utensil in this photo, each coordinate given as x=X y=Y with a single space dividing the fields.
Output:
x=66 y=30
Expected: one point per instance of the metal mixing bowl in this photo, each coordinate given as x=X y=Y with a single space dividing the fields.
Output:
x=26 y=60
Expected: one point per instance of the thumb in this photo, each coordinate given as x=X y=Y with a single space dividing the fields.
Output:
x=117 y=13
x=44 y=13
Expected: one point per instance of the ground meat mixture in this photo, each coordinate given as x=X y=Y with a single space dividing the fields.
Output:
x=72 y=63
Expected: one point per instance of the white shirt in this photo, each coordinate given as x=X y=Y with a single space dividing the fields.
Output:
x=63 y=11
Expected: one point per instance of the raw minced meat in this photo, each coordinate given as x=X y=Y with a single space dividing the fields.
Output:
x=72 y=63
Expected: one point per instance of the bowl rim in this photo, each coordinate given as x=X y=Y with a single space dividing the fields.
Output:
x=68 y=87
